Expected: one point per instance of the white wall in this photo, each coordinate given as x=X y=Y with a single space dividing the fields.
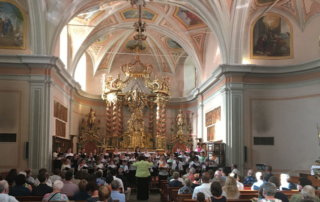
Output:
x=291 y=117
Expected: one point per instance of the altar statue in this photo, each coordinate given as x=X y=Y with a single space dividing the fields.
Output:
x=180 y=118
x=91 y=118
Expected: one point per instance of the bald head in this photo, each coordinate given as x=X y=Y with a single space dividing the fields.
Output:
x=205 y=177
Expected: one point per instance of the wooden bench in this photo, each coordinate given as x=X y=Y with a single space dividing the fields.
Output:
x=182 y=197
x=230 y=200
x=32 y=198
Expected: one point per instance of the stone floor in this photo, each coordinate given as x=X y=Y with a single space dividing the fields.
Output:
x=154 y=196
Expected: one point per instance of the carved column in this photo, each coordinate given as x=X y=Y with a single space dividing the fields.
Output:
x=151 y=119
x=108 y=119
x=163 y=119
x=158 y=118
x=120 y=117
x=115 y=119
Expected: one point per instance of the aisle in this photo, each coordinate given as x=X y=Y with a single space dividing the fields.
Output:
x=153 y=197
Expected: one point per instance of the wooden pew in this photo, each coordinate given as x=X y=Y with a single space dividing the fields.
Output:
x=294 y=179
x=174 y=194
x=182 y=197
x=169 y=195
x=32 y=198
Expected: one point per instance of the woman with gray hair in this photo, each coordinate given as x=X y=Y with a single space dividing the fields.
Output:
x=308 y=192
x=56 y=195
x=187 y=188
x=269 y=190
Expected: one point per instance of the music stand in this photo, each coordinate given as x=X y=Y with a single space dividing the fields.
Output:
x=261 y=167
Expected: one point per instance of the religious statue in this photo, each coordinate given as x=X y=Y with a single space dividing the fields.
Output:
x=91 y=118
x=180 y=118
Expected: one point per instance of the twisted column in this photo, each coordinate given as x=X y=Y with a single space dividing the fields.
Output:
x=120 y=117
x=151 y=119
x=115 y=119
x=163 y=119
x=158 y=119
x=108 y=119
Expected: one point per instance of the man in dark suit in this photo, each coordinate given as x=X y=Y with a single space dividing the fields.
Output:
x=42 y=189
x=175 y=182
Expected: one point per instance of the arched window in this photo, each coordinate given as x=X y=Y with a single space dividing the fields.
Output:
x=64 y=46
x=81 y=72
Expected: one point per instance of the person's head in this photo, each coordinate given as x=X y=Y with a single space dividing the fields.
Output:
x=188 y=182
x=137 y=149
x=66 y=161
x=92 y=187
x=275 y=180
x=82 y=185
x=196 y=177
x=182 y=153
x=127 y=150
x=113 y=172
x=192 y=171
x=171 y=172
x=224 y=171
x=195 y=159
x=230 y=187
x=157 y=153
x=284 y=178
x=200 y=197
x=109 y=179
x=83 y=151
x=269 y=169
x=124 y=162
x=132 y=156
x=259 y=175
x=104 y=193
x=4 y=187
x=90 y=155
x=176 y=175
x=57 y=185
x=104 y=151
x=63 y=174
x=115 y=185
x=216 y=189
x=83 y=161
x=178 y=149
x=69 y=150
x=269 y=189
x=202 y=153
x=205 y=177
x=94 y=151
x=69 y=176
x=234 y=166
x=116 y=149
x=43 y=170
x=28 y=172
x=141 y=158
x=20 y=179
x=304 y=182
x=120 y=171
x=198 y=145
x=42 y=177
x=76 y=157
x=99 y=174
x=250 y=172
x=217 y=174
x=79 y=175
x=308 y=192
x=112 y=162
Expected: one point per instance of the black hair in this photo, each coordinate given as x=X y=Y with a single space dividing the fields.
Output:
x=235 y=166
x=42 y=177
x=43 y=170
x=20 y=180
x=275 y=180
x=92 y=186
x=109 y=179
x=68 y=176
x=200 y=197
x=304 y=182
x=141 y=158
x=113 y=172
x=216 y=189
x=78 y=175
x=99 y=174
x=56 y=171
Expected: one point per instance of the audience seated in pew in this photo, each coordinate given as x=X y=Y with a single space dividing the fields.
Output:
x=269 y=174
x=201 y=197
x=10 y=178
x=269 y=191
x=275 y=180
x=258 y=183
x=56 y=175
x=285 y=184
x=187 y=188
x=37 y=182
x=82 y=194
x=20 y=189
x=105 y=194
x=69 y=188
x=204 y=187
x=250 y=179
x=26 y=184
x=115 y=194
x=56 y=195
x=303 y=182
x=29 y=178
x=77 y=178
x=42 y=189
x=216 y=191
x=175 y=182
x=239 y=184
x=4 y=190
x=196 y=180
x=230 y=189
x=224 y=174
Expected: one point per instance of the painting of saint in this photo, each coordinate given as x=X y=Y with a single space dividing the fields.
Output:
x=132 y=44
x=209 y=118
x=187 y=18
x=173 y=44
x=271 y=38
x=210 y=133
x=133 y=14
x=12 y=26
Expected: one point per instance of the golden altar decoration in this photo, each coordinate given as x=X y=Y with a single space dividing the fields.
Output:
x=181 y=132
x=136 y=135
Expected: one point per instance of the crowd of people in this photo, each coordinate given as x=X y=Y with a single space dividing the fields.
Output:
x=110 y=176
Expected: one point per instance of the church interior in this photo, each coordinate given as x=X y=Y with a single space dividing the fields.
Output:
x=233 y=83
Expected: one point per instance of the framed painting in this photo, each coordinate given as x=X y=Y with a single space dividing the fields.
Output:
x=132 y=13
x=271 y=38
x=210 y=133
x=173 y=44
x=187 y=18
x=209 y=120
x=13 y=27
x=131 y=45
x=60 y=128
